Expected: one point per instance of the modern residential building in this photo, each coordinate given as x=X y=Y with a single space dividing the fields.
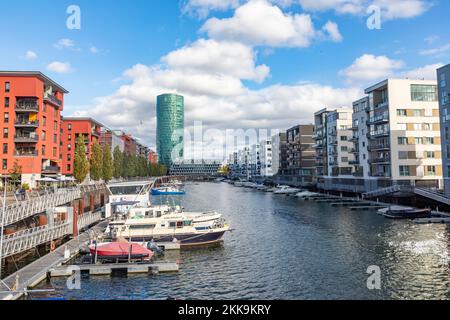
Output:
x=279 y=153
x=72 y=128
x=321 y=141
x=170 y=128
x=195 y=168
x=30 y=111
x=443 y=77
x=300 y=153
x=255 y=161
x=109 y=137
x=396 y=138
x=265 y=148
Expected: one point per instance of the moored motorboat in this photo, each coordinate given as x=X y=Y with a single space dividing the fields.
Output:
x=286 y=190
x=397 y=212
x=120 y=250
x=304 y=194
x=167 y=190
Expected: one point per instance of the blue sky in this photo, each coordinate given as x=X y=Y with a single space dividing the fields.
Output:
x=136 y=35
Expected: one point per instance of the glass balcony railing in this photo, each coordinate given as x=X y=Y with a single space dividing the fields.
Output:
x=26 y=123
x=25 y=153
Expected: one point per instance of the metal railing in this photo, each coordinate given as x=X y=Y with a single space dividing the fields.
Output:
x=24 y=209
x=27 y=239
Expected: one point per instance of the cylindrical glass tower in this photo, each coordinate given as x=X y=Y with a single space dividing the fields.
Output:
x=170 y=128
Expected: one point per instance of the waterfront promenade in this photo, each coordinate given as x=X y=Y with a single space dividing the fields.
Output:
x=36 y=272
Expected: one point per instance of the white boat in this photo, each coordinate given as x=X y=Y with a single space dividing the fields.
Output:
x=286 y=190
x=161 y=225
x=304 y=194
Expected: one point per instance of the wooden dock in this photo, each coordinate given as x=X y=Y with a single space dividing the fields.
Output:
x=441 y=220
x=109 y=269
x=36 y=272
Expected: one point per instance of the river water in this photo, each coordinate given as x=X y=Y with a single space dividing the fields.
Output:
x=287 y=248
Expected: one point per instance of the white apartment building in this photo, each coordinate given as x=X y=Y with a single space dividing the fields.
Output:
x=396 y=136
x=265 y=148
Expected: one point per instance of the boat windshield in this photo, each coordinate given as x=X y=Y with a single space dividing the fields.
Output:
x=123 y=190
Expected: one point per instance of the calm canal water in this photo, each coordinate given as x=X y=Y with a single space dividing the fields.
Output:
x=287 y=248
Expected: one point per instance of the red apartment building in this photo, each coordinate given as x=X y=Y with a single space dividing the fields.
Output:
x=72 y=128
x=30 y=124
x=153 y=157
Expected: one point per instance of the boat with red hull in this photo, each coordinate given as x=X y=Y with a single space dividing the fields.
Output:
x=120 y=250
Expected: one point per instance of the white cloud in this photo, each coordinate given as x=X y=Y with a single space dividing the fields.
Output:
x=59 y=67
x=260 y=23
x=369 y=67
x=93 y=50
x=390 y=9
x=332 y=30
x=436 y=51
x=428 y=72
x=216 y=97
x=220 y=58
x=31 y=55
x=64 y=44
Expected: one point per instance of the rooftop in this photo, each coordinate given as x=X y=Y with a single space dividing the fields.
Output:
x=37 y=74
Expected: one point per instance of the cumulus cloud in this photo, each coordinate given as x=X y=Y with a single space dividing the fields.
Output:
x=427 y=72
x=59 y=67
x=332 y=30
x=369 y=67
x=202 y=8
x=260 y=23
x=219 y=58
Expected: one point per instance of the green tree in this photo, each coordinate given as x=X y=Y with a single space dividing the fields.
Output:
x=108 y=166
x=16 y=173
x=80 y=163
x=118 y=162
x=96 y=162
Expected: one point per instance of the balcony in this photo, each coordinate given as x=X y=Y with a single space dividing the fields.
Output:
x=53 y=100
x=354 y=162
x=381 y=175
x=378 y=134
x=380 y=160
x=25 y=153
x=27 y=106
x=379 y=147
x=26 y=123
x=24 y=138
x=382 y=105
x=384 y=118
x=51 y=170
x=354 y=150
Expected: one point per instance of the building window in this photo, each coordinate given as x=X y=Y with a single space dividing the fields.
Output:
x=43 y=150
x=43 y=135
x=401 y=112
x=403 y=155
x=5 y=148
x=55 y=125
x=431 y=170
x=417 y=113
x=69 y=147
x=7 y=87
x=424 y=93
x=404 y=171
x=430 y=154
x=69 y=157
x=6 y=117
x=6 y=102
x=4 y=164
x=68 y=167
x=69 y=127
x=417 y=127
x=402 y=126
x=44 y=107
x=54 y=152
x=5 y=133
x=55 y=138
x=429 y=140
x=69 y=138
x=402 y=140
x=44 y=121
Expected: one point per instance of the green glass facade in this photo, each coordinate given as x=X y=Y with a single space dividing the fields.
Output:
x=170 y=128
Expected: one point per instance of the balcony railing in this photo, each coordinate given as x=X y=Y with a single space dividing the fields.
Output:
x=25 y=153
x=27 y=107
x=378 y=119
x=378 y=133
x=18 y=138
x=380 y=160
x=354 y=162
x=379 y=147
x=51 y=169
x=26 y=123
x=53 y=100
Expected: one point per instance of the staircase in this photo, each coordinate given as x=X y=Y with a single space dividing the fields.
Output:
x=25 y=209
x=433 y=195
